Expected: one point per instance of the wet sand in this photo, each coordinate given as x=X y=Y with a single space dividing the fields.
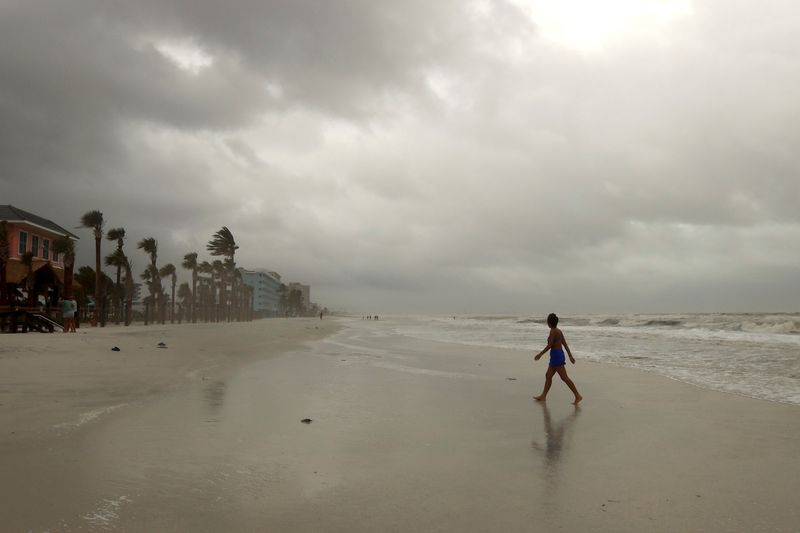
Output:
x=406 y=435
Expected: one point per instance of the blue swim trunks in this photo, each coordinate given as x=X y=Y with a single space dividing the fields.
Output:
x=557 y=357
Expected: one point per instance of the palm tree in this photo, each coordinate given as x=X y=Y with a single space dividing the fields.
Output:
x=150 y=246
x=239 y=292
x=117 y=234
x=190 y=263
x=94 y=221
x=223 y=244
x=231 y=274
x=295 y=302
x=117 y=259
x=187 y=298
x=86 y=279
x=65 y=247
x=247 y=295
x=27 y=260
x=201 y=298
x=149 y=301
x=206 y=268
x=218 y=273
x=168 y=270
x=3 y=261
x=128 y=292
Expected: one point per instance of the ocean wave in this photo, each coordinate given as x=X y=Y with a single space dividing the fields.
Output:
x=492 y=317
x=787 y=327
x=89 y=416
x=775 y=323
x=663 y=322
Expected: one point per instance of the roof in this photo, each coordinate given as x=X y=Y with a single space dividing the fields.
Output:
x=16 y=272
x=15 y=214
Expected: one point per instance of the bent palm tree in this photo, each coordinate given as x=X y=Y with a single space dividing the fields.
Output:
x=150 y=246
x=117 y=234
x=94 y=221
x=148 y=277
x=223 y=244
x=65 y=247
x=190 y=263
x=168 y=270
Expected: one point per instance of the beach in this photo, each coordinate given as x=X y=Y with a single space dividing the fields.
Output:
x=403 y=434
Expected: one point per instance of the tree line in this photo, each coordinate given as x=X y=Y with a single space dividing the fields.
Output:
x=217 y=292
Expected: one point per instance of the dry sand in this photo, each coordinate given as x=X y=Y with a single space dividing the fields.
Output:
x=406 y=435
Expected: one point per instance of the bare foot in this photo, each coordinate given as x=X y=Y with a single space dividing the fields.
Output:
x=539 y=398
x=578 y=399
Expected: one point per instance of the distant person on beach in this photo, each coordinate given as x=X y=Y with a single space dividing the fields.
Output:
x=556 y=344
x=68 y=308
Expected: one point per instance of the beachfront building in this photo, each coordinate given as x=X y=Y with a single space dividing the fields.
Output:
x=266 y=287
x=27 y=232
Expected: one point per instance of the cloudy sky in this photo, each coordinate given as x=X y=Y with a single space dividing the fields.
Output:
x=447 y=156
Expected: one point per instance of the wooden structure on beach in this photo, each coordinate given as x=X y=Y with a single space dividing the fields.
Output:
x=22 y=321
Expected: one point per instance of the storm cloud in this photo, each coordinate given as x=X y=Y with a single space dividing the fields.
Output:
x=449 y=157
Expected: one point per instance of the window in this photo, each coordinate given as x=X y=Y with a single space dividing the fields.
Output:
x=23 y=243
x=35 y=245
x=46 y=249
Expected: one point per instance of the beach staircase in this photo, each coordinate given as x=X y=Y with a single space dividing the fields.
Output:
x=22 y=321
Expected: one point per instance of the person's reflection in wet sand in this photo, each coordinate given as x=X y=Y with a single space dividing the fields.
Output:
x=214 y=396
x=557 y=438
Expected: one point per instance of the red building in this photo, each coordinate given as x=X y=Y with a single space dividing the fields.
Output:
x=26 y=232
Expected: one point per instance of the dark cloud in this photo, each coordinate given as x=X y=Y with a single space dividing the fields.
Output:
x=447 y=156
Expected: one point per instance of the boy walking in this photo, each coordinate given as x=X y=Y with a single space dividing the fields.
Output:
x=556 y=344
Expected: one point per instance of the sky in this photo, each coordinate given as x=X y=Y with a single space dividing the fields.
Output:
x=457 y=156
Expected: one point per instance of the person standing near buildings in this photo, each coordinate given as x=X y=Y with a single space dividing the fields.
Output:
x=68 y=308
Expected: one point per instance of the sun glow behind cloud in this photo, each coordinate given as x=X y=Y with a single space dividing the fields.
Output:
x=593 y=25
x=185 y=55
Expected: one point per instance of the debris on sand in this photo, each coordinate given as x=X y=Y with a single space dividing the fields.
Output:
x=306 y=421
x=162 y=345
x=115 y=349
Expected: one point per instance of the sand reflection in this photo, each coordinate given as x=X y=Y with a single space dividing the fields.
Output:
x=214 y=395
x=557 y=437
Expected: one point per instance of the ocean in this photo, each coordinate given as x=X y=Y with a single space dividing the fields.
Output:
x=751 y=354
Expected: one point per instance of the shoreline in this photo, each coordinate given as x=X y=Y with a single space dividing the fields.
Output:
x=706 y=353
